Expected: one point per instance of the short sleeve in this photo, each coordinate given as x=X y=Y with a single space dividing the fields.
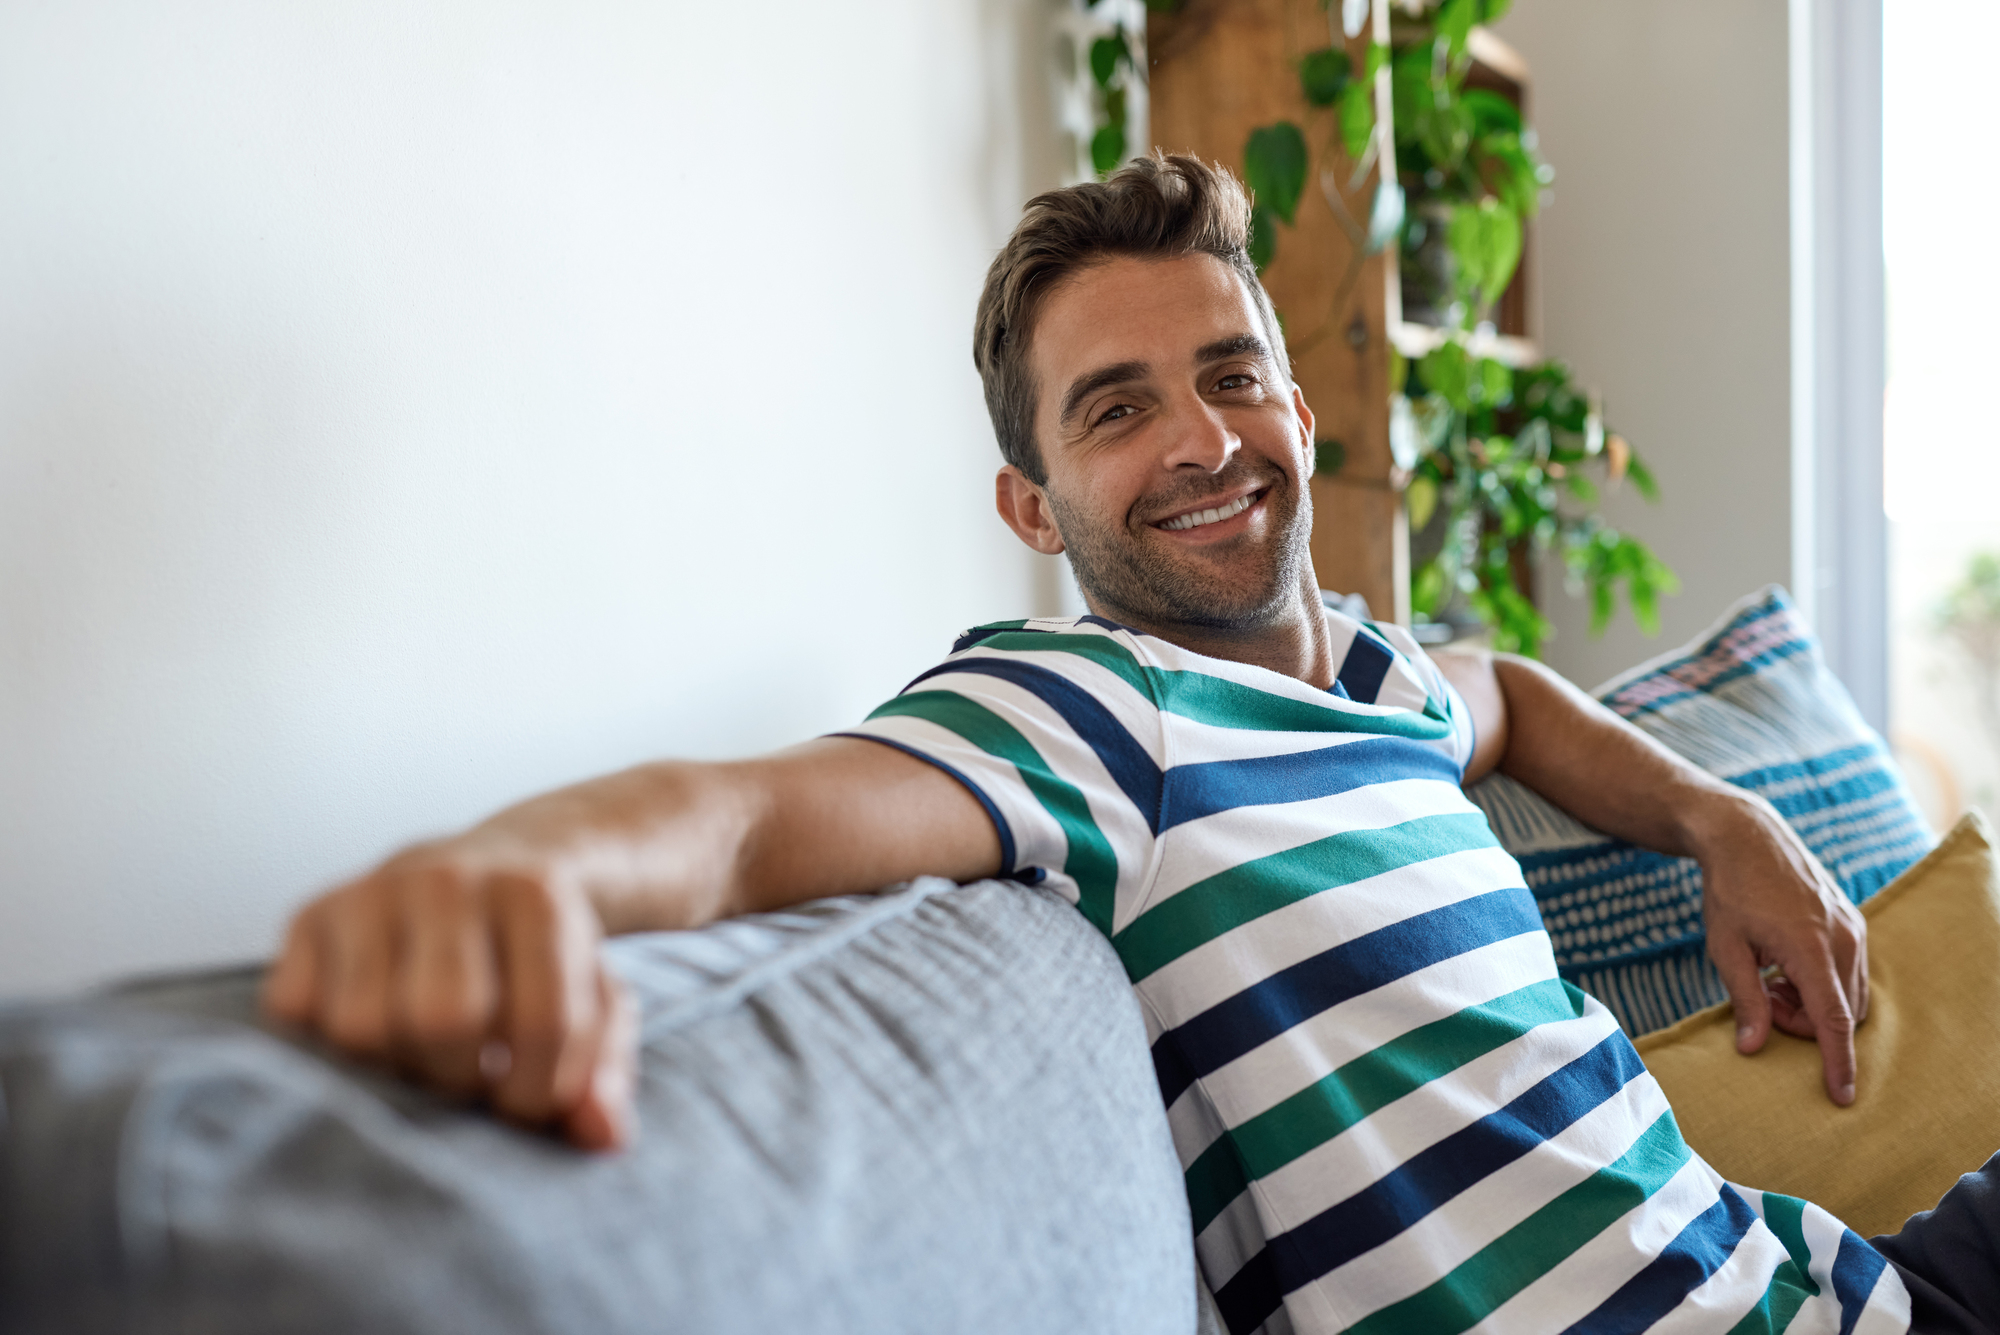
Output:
x=1061 y=749
x=1439 y=689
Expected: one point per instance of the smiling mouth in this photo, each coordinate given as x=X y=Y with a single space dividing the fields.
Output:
x=1198 y=518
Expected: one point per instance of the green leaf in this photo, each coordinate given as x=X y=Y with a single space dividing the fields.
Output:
x=1428 y=587
x=1582 y=488
x=1496 y=382
x=1328 y=457
x=1601 y=605
x=1445 y=371
x=1485 y=241
x=1263 y=237
x=1512 y=172
x=1274 y=167
x=1422 y=498
x=1357 y=117
x=1106 y=54
x=1454 y=21
x=1324 y=74
x=1642 y=478
x=1490 y=111
x=1107 y=149
x=1495 y=9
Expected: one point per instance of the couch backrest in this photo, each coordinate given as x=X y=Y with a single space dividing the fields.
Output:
x=927 y=1110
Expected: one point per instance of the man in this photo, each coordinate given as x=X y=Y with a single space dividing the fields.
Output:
x=1392 y=1113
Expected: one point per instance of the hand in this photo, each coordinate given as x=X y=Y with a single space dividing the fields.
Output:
x=1791 y=949
x=472 y=964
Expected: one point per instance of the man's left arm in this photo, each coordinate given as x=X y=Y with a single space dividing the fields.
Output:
x=1767 y=901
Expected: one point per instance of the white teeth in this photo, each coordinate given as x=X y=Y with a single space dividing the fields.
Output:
x=1215 y=516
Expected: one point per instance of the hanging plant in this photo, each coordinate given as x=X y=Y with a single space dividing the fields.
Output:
x=1506 y=463
x=1111 y=69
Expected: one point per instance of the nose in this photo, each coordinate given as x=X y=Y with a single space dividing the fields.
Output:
x=1203 y=440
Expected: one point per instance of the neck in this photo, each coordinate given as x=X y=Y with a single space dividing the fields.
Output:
x=1295 y=642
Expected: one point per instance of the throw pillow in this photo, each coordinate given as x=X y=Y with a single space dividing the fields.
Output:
x=1928 y=1101
x=1751 y=700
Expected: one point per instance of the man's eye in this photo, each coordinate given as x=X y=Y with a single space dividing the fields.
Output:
x=1113 y=414
x=1237 y=381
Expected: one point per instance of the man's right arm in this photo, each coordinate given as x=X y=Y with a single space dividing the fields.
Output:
x=472 y=961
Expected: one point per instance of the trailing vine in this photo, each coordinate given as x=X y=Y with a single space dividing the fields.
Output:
x=1112 y=69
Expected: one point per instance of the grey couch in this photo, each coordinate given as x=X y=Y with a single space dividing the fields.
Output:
x=929 y=1110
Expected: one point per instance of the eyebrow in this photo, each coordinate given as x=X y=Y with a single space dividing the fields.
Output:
x=1236 y=345
x=1084 y=386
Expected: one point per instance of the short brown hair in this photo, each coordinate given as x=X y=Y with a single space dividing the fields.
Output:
x=1159 y=207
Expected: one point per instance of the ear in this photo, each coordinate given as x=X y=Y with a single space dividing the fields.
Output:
x=1305 y=419
x=1025 y=507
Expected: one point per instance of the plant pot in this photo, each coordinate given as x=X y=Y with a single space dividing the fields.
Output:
x=1428 y=269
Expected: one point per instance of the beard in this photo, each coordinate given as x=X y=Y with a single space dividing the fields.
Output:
x=1141 y=577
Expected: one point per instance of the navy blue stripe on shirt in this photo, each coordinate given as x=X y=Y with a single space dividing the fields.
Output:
x=1266 y=1009
x=1426 y=1181
x=1117 y=750
x=1857 y=1269
x=1194 y=791
x=1367 y=663
x=978 y=633
x=1682 y=1266
x=1251 y=1295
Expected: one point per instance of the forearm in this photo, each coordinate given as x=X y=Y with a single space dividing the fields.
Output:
x=676 y=845
x=1766 y=901
x=1605 y=772
x=657 y=847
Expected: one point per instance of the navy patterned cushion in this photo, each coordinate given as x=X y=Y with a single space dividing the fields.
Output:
x=1752 y=701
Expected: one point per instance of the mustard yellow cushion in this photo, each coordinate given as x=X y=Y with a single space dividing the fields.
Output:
x=1928 y=1106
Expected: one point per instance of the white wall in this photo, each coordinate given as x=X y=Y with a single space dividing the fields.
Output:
x=1664 y=281
x=407 y=406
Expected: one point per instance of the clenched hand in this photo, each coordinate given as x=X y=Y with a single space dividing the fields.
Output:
x=471 y=964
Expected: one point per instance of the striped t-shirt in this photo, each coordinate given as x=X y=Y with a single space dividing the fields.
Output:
x=1392 y=1114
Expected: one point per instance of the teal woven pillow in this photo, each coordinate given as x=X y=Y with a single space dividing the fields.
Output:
x=1752 y=701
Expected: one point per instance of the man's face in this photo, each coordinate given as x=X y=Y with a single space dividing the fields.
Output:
x=1176 y=452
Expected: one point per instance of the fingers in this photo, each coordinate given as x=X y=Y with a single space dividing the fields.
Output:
x=553 y=1012
x=1826 y=1006
x=358 y=942
x=474 y=983
x=1737 y=963
x=603 y=1120
x=447 y=985
x=291 y=988
x=1851 y=951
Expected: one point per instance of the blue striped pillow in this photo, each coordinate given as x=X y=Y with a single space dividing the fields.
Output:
x=1754 y=702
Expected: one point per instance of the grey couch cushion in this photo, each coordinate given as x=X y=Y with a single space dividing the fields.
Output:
x=929 y=1110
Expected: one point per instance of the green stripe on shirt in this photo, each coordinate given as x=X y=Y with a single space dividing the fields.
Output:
x=1783 y=1297
x=1090 y=861
x=1539 y=1243
x=1219 y=904
x=1786 y=1217
x=1316 y=1114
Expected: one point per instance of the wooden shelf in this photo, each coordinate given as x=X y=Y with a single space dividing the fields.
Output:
x=1414 y=340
